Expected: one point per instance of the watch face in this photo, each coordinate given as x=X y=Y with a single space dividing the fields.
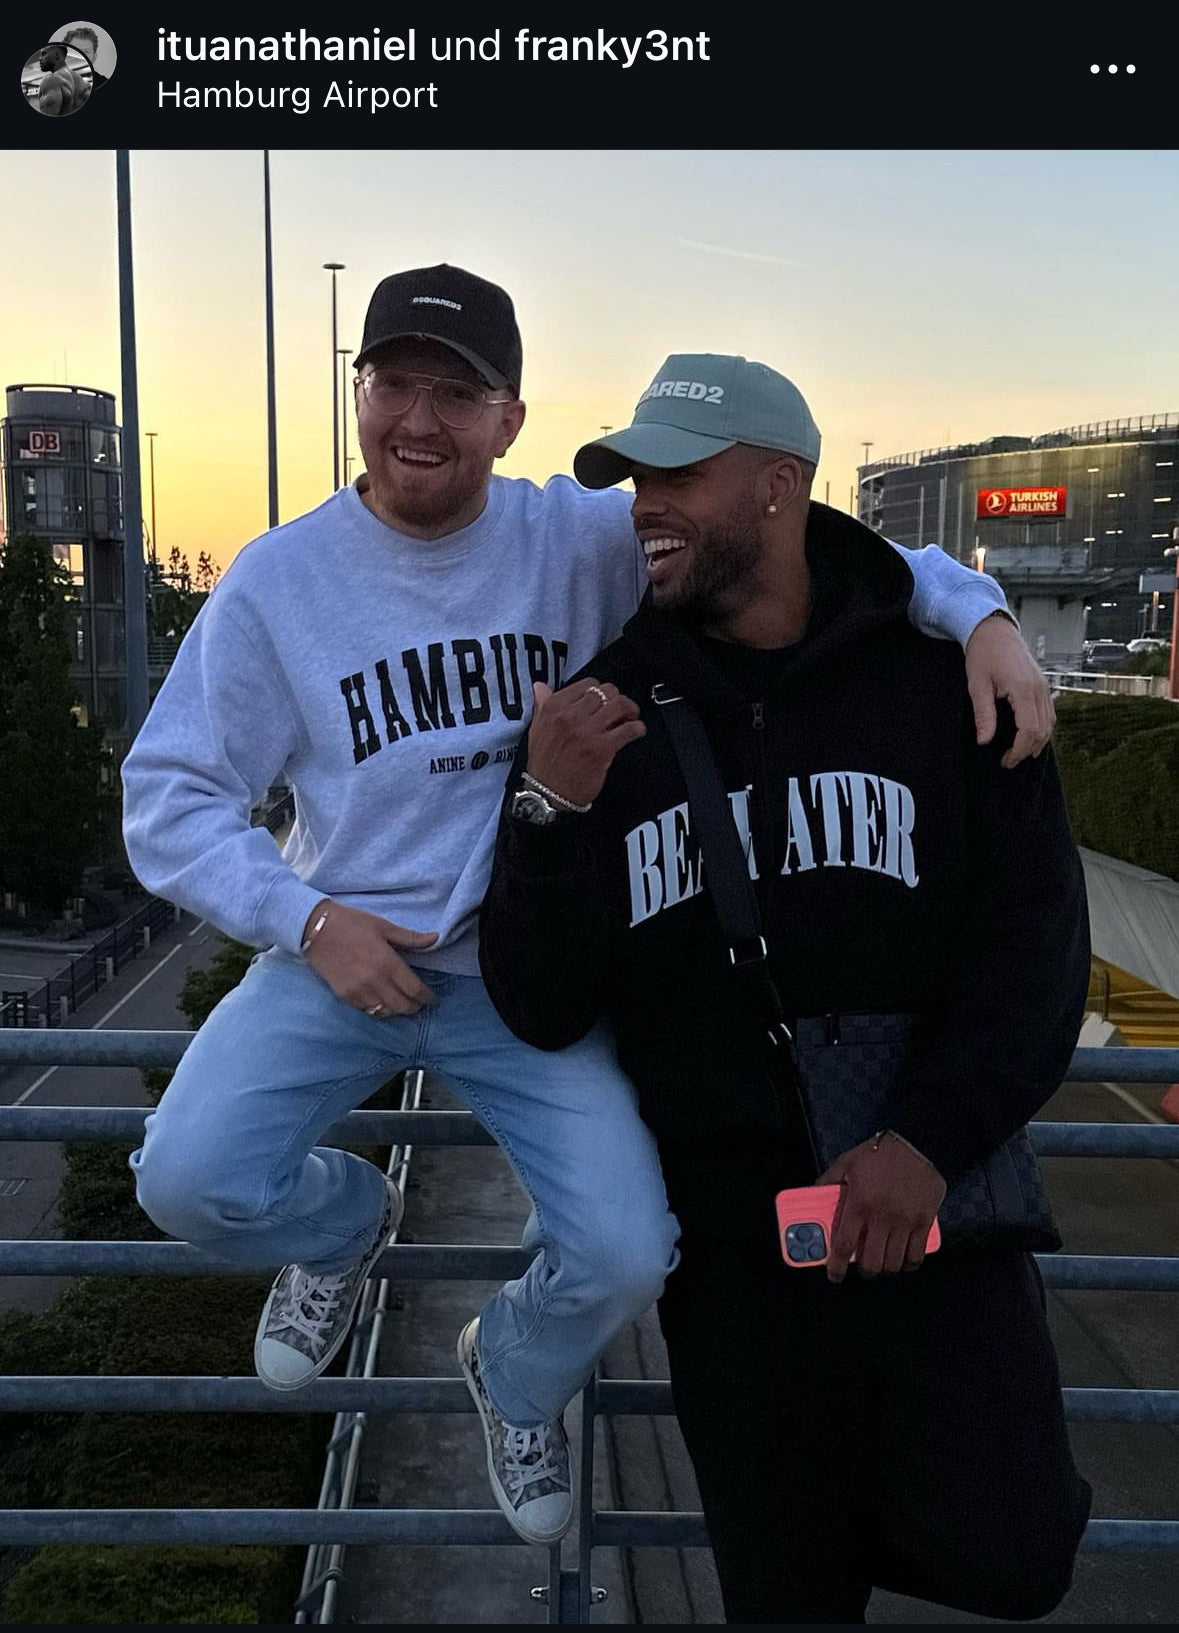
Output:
x=530 y=807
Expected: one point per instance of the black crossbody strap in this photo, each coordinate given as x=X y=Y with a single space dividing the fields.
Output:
x=726 y=864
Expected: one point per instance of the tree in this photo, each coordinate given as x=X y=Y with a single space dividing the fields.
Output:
x=207 y=572
x=179 y=594
x=178 y=569
x=50 y=806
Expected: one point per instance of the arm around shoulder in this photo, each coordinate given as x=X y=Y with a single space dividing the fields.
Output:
x=958 y=603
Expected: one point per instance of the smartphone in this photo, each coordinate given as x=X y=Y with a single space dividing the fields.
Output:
x=805 y=1220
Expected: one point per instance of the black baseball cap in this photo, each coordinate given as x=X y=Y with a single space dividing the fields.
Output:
x=474 y=318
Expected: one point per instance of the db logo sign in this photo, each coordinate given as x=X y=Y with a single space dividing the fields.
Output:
x=45 y=442
x=997 y=502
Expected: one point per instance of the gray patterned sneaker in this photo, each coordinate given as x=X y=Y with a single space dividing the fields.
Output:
x=308 y=1314
x=528 y=1468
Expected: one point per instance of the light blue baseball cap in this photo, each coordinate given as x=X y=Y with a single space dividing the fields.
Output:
x=698 y=405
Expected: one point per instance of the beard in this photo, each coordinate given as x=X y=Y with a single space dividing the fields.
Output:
x=724 y=562
x=424 y=502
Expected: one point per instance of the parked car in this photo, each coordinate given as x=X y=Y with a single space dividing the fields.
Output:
x=1148 y=643
x=1105 y=656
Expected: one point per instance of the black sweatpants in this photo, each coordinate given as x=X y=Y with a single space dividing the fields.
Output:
x=905 y=1432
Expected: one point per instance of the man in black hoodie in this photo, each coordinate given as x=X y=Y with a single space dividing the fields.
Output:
x=847 y=1429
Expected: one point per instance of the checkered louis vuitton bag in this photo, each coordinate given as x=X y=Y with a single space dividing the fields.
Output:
x=848 y=1069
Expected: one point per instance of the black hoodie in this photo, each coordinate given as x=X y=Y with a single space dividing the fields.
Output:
x=899 y=868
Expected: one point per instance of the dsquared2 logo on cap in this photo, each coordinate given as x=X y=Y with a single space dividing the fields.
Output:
x=696 y=390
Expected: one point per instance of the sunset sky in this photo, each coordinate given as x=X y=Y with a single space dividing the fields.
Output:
x=917 y=298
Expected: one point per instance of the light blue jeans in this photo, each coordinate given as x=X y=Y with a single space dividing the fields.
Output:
x=229 y=1160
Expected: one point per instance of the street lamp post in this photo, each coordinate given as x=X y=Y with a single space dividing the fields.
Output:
x=1173 y=685
x=134 y=587
x=333 y=267
x=866 y=444
x=343 y=353
x=271 y=410
x=151 y=449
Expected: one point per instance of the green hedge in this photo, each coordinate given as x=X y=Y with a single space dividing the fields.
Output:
x=186 y=1460
x=1119 y=764
x=210 y=1587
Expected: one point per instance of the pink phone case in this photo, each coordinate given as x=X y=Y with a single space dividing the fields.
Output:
x=805 y=1218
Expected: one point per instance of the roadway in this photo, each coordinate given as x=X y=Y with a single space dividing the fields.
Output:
x=143 y=996
x=23 y=968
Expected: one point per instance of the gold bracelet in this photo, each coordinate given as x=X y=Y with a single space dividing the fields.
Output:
x=316 y=927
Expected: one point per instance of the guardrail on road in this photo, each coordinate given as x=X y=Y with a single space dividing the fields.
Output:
x=1093 y=680
x=55 y=1000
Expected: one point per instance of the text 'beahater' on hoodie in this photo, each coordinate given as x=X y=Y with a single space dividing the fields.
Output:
x=898 y=868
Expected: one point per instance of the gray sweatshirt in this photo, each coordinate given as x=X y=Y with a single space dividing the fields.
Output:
x=388 y=680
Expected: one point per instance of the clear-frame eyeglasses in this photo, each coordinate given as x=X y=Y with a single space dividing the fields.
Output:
x=457 y=403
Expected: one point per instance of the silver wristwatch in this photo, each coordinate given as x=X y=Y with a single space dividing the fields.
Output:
x=529 y=806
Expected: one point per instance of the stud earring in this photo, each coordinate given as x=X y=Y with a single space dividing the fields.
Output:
x=771 y=510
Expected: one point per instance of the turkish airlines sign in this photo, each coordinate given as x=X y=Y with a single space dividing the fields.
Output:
x=998 y=503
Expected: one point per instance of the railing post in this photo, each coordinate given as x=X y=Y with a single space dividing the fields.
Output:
x=563 y=1596
x=585 y=1497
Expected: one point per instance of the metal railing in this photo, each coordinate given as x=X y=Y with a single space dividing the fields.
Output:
x=50 y=1003
x=1094 y=680
x=1132 y=428
x=331 y=1528
x=325 y=1561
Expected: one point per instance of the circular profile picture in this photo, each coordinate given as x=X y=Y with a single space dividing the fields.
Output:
x=95 y=44
x=57 y=79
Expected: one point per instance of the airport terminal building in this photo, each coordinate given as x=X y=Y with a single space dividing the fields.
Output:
x=1072 y=523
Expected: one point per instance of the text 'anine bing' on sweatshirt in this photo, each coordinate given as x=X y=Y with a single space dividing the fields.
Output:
x=898 y=868
x=388 y=681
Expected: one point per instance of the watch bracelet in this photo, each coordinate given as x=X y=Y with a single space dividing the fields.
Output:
x=559 y=800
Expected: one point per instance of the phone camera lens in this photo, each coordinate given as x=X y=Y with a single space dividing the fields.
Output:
x=806 y=1243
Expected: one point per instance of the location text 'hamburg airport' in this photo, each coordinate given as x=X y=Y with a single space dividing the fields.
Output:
x=620 y=50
